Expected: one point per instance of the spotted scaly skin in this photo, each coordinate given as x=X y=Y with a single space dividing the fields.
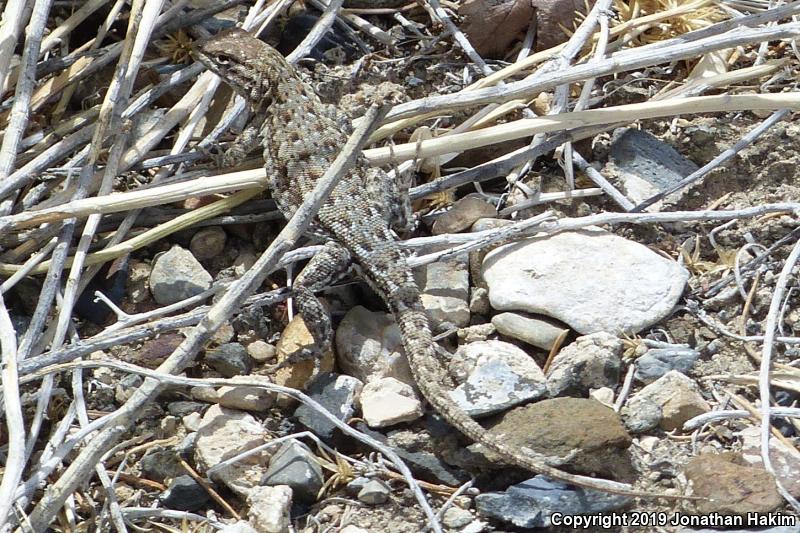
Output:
x=301 y=137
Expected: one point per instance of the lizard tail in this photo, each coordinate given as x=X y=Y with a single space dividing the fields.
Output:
x=422 y=359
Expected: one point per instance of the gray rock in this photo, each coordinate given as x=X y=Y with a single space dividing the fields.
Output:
x=425 y=465
x=456 y=517
x=641 y=415
x=373 y=492
x=369 y=346
x=445 y=292
x=208 y=243
x=338 y=394
x=184 y=494
x=628 y=287
x=479 y=301
x=295 y=466
x=591 y=362
x=230 y=359
x=184 y=407
x=535 y=331
x=476 y=333
x=161 y=464
x=126 y=387
x=646 y=165
x=177 y=275
x=496 y=375
x=387 y=401
x=462 y=215
x=355 y=486
x=531 y=503
x=658 y=361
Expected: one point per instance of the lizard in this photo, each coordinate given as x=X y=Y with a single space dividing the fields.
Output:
x=300 y=137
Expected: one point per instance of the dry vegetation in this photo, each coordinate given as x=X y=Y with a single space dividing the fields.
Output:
x=104 y=118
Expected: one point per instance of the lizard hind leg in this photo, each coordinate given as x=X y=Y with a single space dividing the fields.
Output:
x=324 y=269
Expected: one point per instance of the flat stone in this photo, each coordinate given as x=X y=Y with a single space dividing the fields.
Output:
x=177 y=275
x=338 y=394
x=496 y=375
x=531 y=503
x=387 y=401
x=678 y=396
x=247 y=398
x=225 y=433
x=646 y=165
x=369 y=346
x=462 y=215
x=658 y=361
x=295 y=466
x=581 y=433
x=534 y=331
x=591 y=362
x=729 y=486
x=628 y=287
x=374 y=492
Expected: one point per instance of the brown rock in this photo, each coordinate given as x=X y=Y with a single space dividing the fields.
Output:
x=293 y=339
x=462 y=215
x=729 y=486
x=577 y=432
x=492 y=26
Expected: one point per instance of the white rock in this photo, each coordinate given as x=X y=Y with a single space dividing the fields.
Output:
x=590 y=279
x=496 y=375
x=387 y=401
x=269 y=508
x=239 y=527
x=247 y=398
x=369 y=346
x=192 y=421
x=225 y=433
x=603 y=395
x=535 y=331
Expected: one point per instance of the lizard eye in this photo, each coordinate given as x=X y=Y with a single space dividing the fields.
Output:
x=224 y=59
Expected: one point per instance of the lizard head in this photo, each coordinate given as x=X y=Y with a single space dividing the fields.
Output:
x=250 y=66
